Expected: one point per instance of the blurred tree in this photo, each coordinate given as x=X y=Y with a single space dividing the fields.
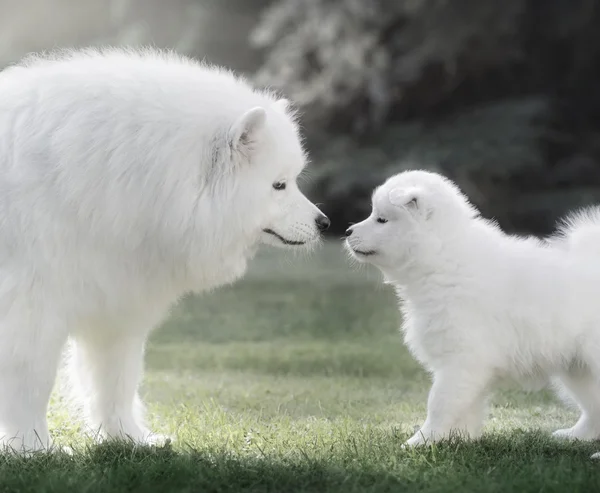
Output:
x=498 y=95
x=355 y=64
x=216 y=30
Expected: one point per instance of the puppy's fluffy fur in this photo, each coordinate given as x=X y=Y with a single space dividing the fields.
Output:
x=482 y=306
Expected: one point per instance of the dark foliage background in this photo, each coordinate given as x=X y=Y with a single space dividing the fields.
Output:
x=501 y=96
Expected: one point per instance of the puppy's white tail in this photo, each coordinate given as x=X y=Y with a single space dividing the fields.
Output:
x=579 y=232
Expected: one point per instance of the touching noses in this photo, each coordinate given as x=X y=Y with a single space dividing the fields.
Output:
x=323 y=222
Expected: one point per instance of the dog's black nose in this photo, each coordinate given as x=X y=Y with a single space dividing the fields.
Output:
x=348 y=231
x=323 y=222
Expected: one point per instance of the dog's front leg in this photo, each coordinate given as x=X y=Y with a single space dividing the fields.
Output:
x=456 y=405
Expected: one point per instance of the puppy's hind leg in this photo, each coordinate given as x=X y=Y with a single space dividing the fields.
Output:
x=583 y=387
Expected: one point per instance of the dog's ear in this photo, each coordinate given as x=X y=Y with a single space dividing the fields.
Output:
x=246 y=131
x=409 y=199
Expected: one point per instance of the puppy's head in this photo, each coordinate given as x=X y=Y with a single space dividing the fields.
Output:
x=410 y=211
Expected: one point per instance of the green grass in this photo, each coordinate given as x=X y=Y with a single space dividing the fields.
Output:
x=296 y=379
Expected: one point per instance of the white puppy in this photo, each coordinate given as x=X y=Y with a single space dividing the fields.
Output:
x=481 y=306
x=126 y=180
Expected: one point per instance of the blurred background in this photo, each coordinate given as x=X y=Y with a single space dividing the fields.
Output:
x=503 y=97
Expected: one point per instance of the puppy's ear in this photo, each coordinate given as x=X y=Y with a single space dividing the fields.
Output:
x=245 y=133
x=407 y=198
x=282 y=104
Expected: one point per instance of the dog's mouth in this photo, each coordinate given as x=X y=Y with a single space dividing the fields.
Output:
x=283 y=240
x=364 y=253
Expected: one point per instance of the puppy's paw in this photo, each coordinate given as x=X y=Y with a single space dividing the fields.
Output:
x=565 y=434
x=419 y=439
x=577 y=432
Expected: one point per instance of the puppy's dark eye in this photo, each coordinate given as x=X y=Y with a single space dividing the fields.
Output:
x=381 y=220
x=279 y=185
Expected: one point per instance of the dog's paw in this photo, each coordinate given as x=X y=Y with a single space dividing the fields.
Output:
x=140 y=436
x=150 y=439
x=63 y=449
x=158 y=440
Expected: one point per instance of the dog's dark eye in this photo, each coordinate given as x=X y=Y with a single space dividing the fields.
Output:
x=279 y=185
x=381 y=220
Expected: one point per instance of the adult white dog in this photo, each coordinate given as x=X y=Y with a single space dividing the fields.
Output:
x=126 y=180
x=481 y=306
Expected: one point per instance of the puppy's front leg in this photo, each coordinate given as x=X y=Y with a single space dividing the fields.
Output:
x=456 y=404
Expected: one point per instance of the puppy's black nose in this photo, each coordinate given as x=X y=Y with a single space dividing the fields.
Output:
x=323 y=222
x=348 y=231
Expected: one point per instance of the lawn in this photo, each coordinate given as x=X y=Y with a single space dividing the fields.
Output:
x=296 y=379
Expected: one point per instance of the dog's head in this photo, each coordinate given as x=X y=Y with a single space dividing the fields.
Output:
x=411 y=212
x=267 y=153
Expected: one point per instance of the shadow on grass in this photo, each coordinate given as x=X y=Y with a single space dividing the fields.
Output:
x=521 y=462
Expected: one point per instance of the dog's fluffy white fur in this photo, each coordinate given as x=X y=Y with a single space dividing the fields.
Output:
x=127 y=178
x=481 y=306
